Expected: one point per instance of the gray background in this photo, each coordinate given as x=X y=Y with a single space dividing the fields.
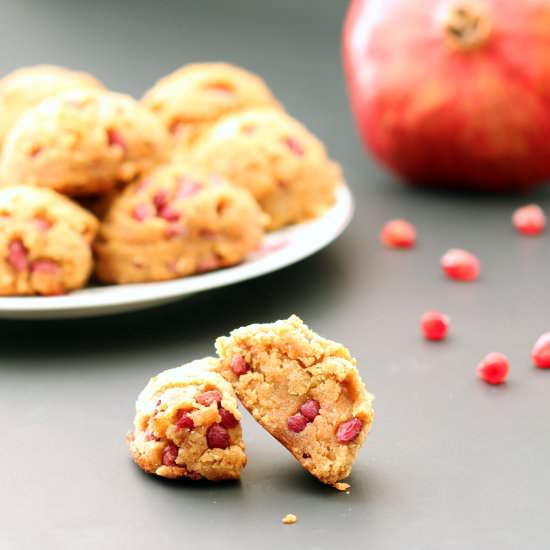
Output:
x=450 y=463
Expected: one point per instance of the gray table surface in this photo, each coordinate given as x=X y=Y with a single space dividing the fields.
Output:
x=450 y=463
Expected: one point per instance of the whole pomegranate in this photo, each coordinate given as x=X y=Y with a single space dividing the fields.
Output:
x=453 y=93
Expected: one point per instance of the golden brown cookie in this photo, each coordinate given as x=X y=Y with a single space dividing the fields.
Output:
x=176 y=221
x=273 y=156
x=304 y=390
x=27 y=87
x=187 y=425
x=83 y=142
x=45 y=242
x=192 y=98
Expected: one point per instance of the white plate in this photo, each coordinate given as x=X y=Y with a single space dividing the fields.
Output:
x=279 y=249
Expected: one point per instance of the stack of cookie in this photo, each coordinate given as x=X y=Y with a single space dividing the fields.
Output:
x=303 y=389
x=185 y=181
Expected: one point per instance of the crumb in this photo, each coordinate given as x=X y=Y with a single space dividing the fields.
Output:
x=289 y=518
x=341 y=486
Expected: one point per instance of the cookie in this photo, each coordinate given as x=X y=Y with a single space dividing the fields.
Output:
x=27 y=87
x=187 y=425
x=273 y=156
x=304 y=390
x=176 y=221
x=45 y=242
x=83 y=142
x=191 y=99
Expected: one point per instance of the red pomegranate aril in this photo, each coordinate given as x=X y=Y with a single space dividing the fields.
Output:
x=217 y=437
x=349 y=430
x=227 y=419
x=18 y=256
x=47 y=267
x=494 y=368
x=141 y=212
x=529 y=220
x=169 y=214
x=160 y=199
x=398 y=234
x=460 y=265
x=115 y=138
x=170 y=454
x=175 y=230
x=541 y=351
x=310 y=409
x=183 y=420
x=209 y=397
x=295 y=146
x=239 y=366
x=208 y=264
x=188 y=188
x=434 y=325
x=297 y=422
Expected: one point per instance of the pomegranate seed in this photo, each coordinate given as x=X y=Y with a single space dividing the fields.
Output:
x=18 y=256
x=170 y=454
x=141 y=212
x=160 y=199
x=494 y=368
x=188 y=188
x=217 y=437
x=175 y=230
x=169 y=214
x=460 y=265
x=398 y=234
x=349 y=430
x=310 y=409
x=42 y=224
x=208 y=264
x=48 y=267
x=434 y=325
x=297 y=422
x=541 y=352
x=209 y=397
x=115 y=139
x=183 y=420
x=529 y=220
x=239 y=366
x=228 y=420
x=295 y=146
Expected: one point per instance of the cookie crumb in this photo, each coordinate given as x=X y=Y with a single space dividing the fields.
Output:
x=289 y=518
x=341 y=486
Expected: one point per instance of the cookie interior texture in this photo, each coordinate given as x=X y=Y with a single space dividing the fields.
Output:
x=187 y=425
x=276 y=368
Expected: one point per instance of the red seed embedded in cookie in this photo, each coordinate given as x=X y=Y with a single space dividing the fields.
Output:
x=140 y=212
x=217 y=437
x=349 y=430
x=47 y=267
x=295 y=146
x=170 y=454
x=183 y=420
x=175 y=230
x=227 y=419
x=209 y=397
x=310 y=409
x=160 y=199
x=169 y=214
x=18 y=256
x=297 y=422
x=239 y=366
x=115 y=139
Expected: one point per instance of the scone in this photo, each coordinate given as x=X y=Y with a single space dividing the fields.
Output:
x=27 y=87
x=187 y=425
x=45 y=242
x=177 y=221
x=191 y=99
x=83 y=142
x=304 y=390
x=273 y=156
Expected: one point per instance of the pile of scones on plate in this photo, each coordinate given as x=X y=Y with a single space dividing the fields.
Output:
x=184 y=181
